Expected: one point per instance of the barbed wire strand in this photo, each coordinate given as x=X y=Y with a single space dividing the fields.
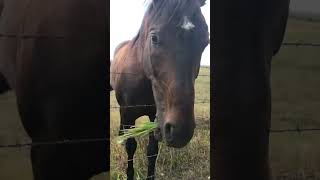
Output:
x=46 y=36
x=49 y=36
x=154 y=155
x=68 y=141
x=89 y=140
x=46 y=143
x=152 y=105
x=298 y=129
x=135 y=74
x=306 y=44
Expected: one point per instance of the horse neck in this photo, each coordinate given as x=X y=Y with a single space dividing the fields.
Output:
x=136 y=53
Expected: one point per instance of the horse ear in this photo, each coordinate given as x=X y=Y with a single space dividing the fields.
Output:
x=202 y=2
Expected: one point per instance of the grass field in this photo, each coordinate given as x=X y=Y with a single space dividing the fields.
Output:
x=190 y=162
x=296 y=100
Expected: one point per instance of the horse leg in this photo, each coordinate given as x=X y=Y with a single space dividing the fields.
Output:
x=128 y=120
x=131 y=146
x=4 y=86
x=152 y=153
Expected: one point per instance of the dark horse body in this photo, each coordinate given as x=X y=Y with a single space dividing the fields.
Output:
x=52 y=54
x=246 y=36
x=159 y=66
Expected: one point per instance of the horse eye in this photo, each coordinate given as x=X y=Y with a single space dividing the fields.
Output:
x=154 y=39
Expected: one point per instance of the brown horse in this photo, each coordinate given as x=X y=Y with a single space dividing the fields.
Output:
x=159 y=66
x=246 y=36
x=52 y=54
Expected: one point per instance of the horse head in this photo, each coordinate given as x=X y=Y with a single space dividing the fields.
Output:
x=172 y=38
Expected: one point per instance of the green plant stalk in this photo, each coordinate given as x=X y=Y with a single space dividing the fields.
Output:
x=137 y=131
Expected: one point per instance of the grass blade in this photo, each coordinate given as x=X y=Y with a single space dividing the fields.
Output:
x=137 y=131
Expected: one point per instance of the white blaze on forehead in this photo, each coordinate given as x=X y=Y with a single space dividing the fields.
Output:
x=187 y=24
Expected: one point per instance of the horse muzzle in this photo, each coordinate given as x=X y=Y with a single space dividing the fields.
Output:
x=174 y=136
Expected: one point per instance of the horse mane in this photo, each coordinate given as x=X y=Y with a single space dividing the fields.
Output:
x=163 y=11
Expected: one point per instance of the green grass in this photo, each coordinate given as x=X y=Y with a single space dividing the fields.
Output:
x=190 y=162
x=296 y=101
x=137 y=131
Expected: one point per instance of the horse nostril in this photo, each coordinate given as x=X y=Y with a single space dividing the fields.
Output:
x=168 y=130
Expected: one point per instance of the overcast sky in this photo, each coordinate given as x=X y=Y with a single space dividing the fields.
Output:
x=126 y=17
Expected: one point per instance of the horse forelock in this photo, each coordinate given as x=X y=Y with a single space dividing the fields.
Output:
x=171 y=11
x=162 y=12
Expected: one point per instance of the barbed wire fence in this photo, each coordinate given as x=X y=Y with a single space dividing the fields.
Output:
x=297 y=129
x=304 y=18
x=198 y=101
